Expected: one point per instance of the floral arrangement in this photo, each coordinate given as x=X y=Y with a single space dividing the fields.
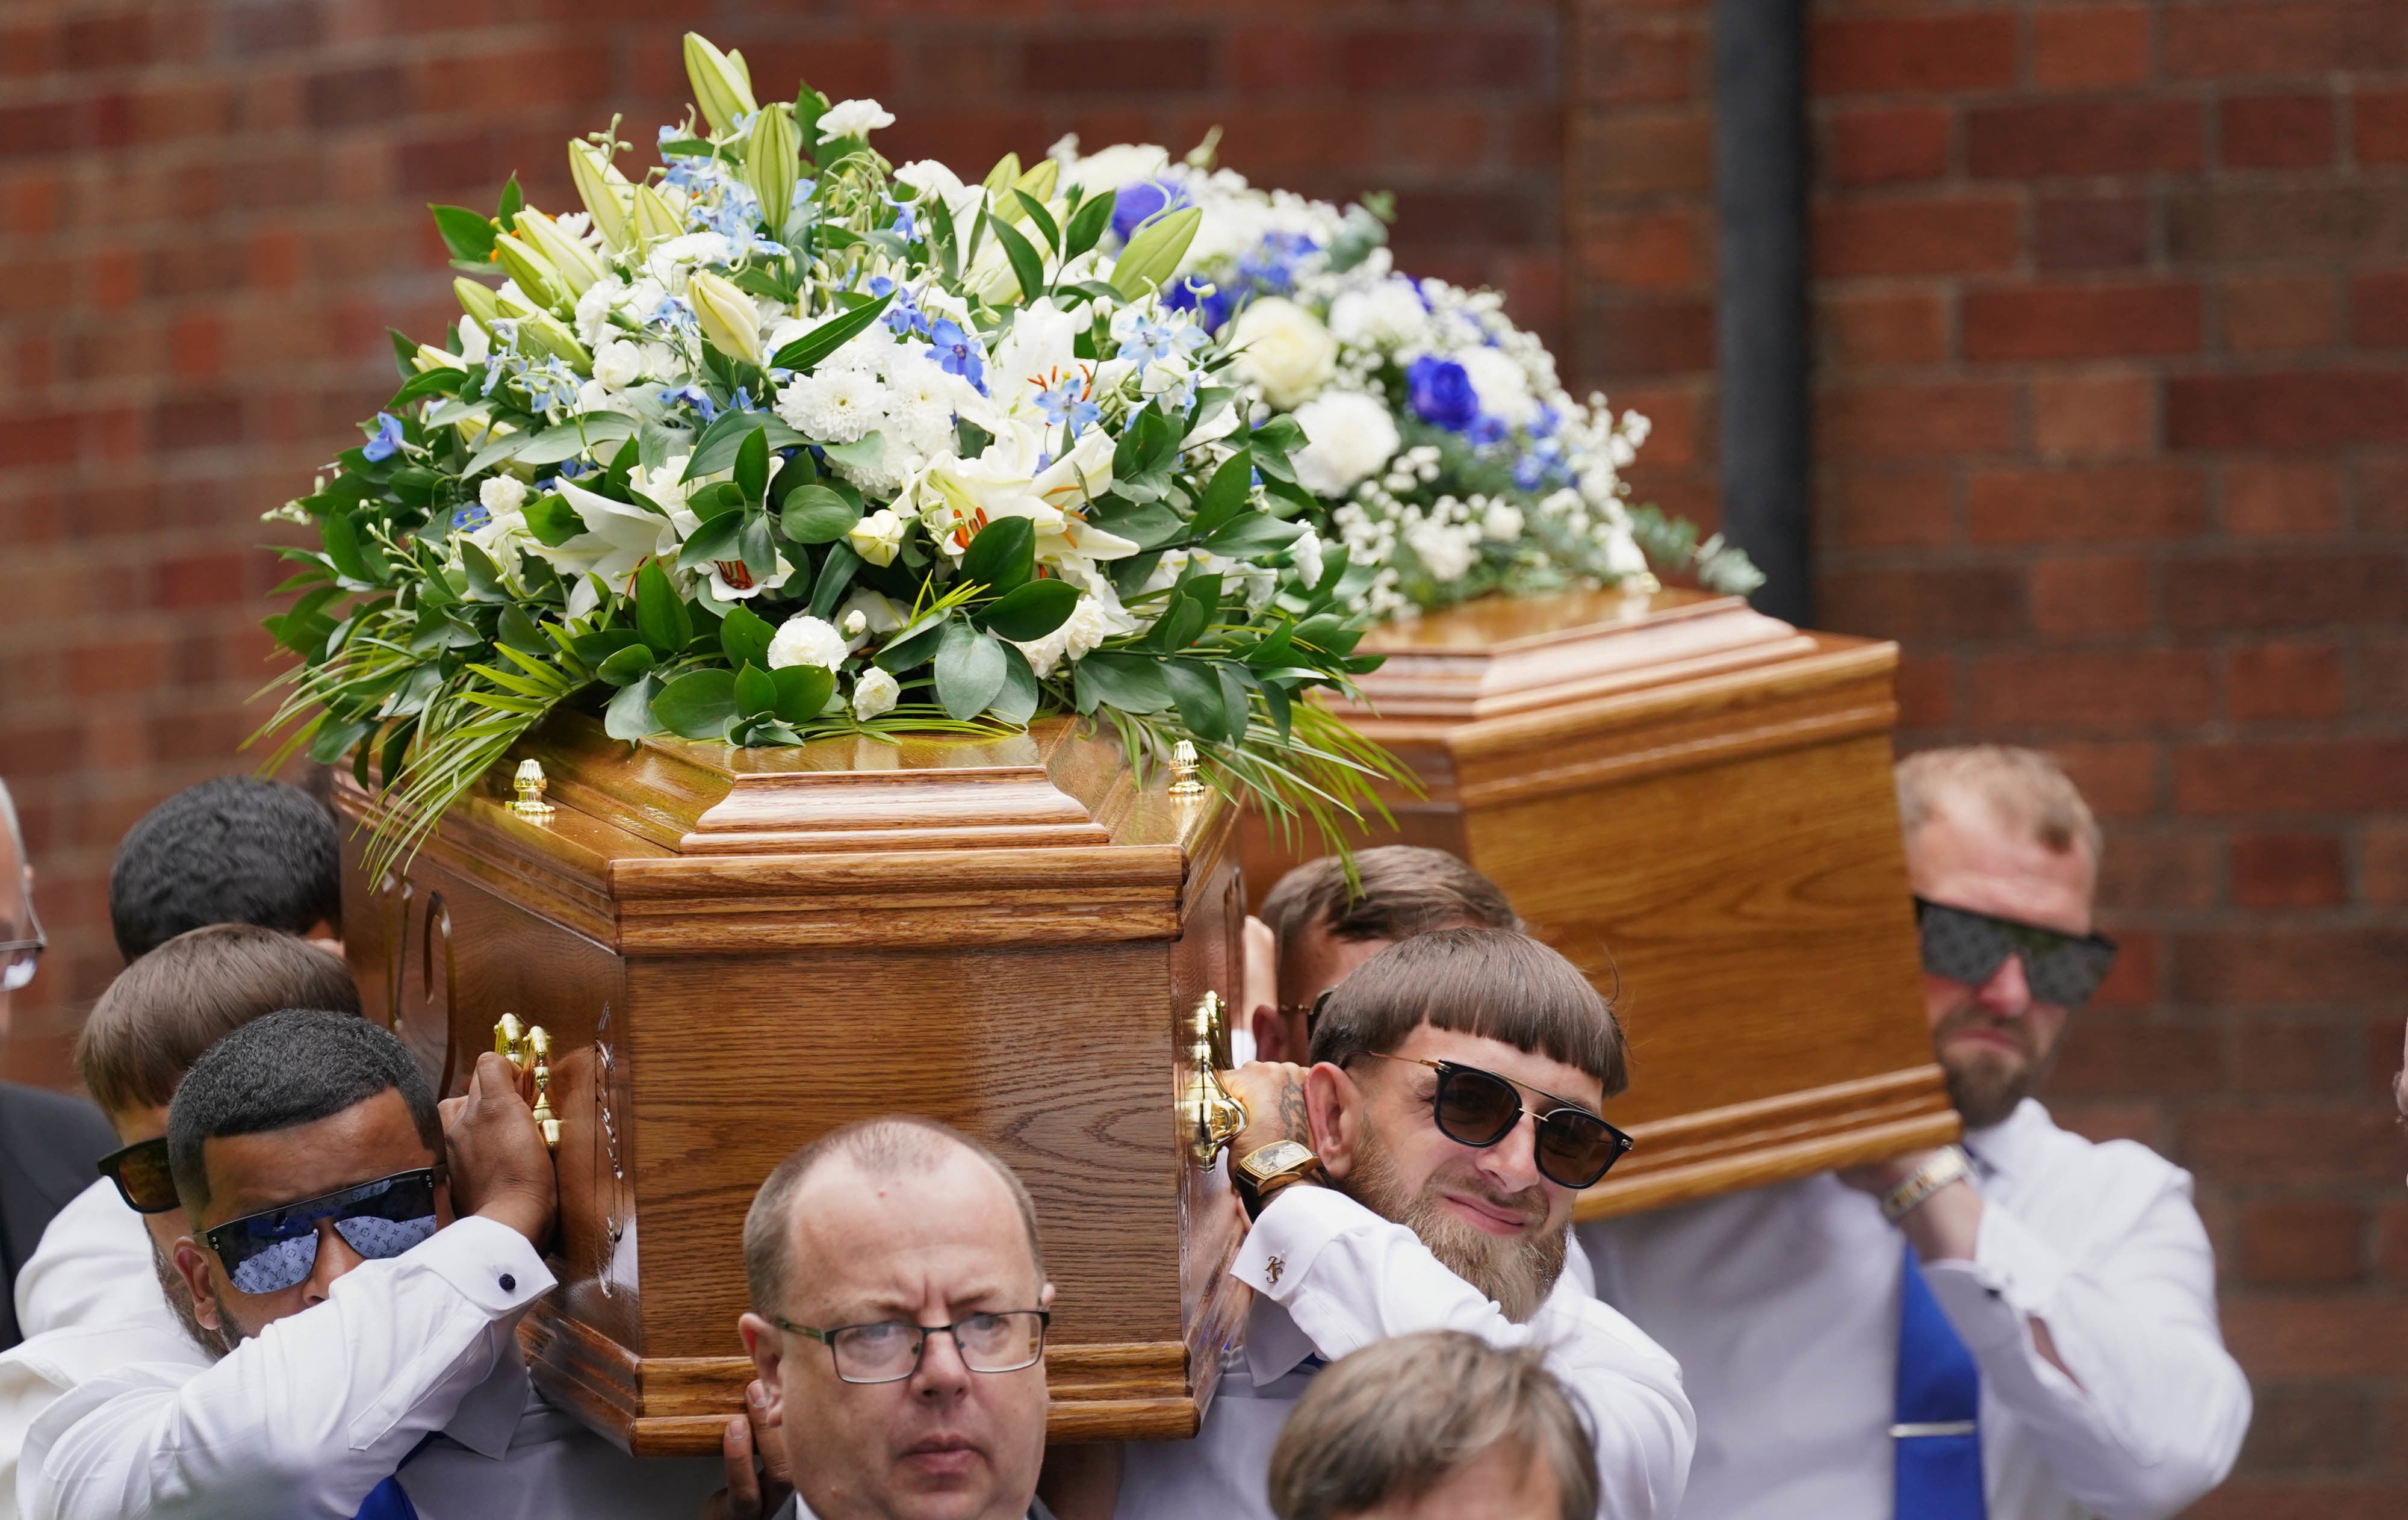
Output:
x=1442 y=449
x=778 y=441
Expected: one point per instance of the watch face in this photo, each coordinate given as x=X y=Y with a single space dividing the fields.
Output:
x=1273 y=1159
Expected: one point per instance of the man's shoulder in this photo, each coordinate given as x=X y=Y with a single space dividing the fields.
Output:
x=2055 y=1156
x=75 y=1355
x=52 y=1138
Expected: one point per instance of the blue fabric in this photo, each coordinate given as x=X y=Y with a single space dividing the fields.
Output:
x=386 y=1500
x=1939 y=1477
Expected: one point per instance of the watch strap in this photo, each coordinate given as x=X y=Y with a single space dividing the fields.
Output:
x=1949 y=1164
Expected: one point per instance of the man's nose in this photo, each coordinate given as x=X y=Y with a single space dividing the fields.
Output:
x=335 y=1257
x=942 y=1372
x=2008 y=993
x=1512 y=1163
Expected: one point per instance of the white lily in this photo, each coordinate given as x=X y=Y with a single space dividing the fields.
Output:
x=617 y=541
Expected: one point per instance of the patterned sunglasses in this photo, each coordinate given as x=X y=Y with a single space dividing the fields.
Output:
x=1965 y=946
x=275 y=1248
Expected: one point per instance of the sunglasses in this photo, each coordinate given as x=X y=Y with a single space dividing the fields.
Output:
x=1478 y=1109
x=275 y=1248
x=20 y=959
x=140 y=1172
x=1961 y=946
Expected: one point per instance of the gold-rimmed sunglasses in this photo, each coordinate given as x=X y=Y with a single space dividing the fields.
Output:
x=1472 y=1107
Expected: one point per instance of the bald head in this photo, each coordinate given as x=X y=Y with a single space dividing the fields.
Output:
x=902 y=1149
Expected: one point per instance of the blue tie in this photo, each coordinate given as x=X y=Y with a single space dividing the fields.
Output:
x=1938 y=1446
x=386 y=1500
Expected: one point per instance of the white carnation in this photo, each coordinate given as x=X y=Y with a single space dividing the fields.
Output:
x=500 y=493
x=618 y=364
x=1284 y=349
x=804 y=639
x=854 y=119
x=833 y=405
x=1348 y=438
x=875 y=693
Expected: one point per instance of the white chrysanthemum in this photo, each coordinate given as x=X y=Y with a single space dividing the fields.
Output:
x=500 y=493
x=804 y=639
x=875 y=693
x=854 y=119
x=922 y=402
x=1348 y=438
x=1388 y=315
x=833 y=405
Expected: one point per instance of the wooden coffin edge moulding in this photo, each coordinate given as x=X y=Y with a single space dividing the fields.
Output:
x=1694 y=802
x=733 y=951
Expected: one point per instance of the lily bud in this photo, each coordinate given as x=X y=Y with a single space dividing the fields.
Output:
x=1038 y=182
x=727 y=315
x=721 y=87
x=477 y=301
x=1153 y=254
x=604 y=190
x=769 y=163
x=1006 y=170
x=430 y=357
x=533 y=272
x=539 y=329
x=655 y=219
x=570 y=259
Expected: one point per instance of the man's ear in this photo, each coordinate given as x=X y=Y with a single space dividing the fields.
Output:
x=192 y=1265
x=1045 y=1299
x=1333 y=1107
x=1270 y=1036
x=766 y=1347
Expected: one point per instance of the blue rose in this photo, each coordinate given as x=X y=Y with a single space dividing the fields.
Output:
x=1441 y=392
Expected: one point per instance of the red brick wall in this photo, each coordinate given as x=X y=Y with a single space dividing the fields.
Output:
x=209 y=212
x=2110 y=303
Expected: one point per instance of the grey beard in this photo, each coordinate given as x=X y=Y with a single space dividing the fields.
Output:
x=1516 y=1271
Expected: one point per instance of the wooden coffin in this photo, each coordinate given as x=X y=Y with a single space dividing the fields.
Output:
x=735 y=951
x=1693 y=802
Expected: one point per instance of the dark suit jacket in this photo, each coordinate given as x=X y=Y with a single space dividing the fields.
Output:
x=48 y=1143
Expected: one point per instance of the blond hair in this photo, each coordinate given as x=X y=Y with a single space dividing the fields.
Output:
x=2024 y=790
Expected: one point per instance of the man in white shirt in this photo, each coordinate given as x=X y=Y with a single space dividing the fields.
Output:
x=899 y=1328
x=2023 y=1330
x=1421 y=1176
x=373 y=1369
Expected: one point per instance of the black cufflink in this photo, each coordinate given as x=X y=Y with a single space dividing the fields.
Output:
x=509 y=1283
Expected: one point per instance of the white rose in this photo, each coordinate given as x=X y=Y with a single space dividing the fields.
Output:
x=876 y=692
x=619 y=364
x=1389 y=315
x=1501 y=384
x=1348 y=438
x=500 y=493
x=1284 y=349
x=854 y=119
x=804 y=639
x=878 y=538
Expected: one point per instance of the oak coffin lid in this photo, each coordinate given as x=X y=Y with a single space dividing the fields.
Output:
x=666 y=846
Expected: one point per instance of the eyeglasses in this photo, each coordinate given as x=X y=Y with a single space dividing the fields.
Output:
x=889 y=1351
x=19 y=959
x=1961 y=946
x=1479 y=1109
x=142 y=1175
x=272 y=1250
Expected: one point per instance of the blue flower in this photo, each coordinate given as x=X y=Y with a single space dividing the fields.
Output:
x=1441 y=392
x=1067 y=402
x=672 y=313
x=695 y=397
x=470 y=518
x=957 y=353
x=1486 y=429
x=1546 y=422
x=1269 y=267
x=387 y=440
x=1134 y=203
x=1147 y=341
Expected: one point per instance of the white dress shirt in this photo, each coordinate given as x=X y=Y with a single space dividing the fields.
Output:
x=1330 y=1277
x=93 y=1267
x=34 y=1374
x=1783 y=1307
x=308 y=1415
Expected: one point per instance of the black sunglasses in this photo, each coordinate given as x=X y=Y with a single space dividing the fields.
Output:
x=1479 y=1109
x=272 y=1250
x=142 y=1175
x=1961 y=946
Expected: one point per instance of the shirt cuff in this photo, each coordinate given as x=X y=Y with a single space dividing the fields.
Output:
x=2014 y=1276
x=1280 y=1250
x=488 y=1263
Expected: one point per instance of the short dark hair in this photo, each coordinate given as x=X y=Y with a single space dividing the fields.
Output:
x=165 y=1009
x=1496 y=983
x=1406 y=890
x=1396 y=1418
x=231 y=849
x=293 y=1067
x=899 y=1144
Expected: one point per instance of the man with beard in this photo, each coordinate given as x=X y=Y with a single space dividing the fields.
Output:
x=2021 y=1328
x=1420 y=1175
x=105 y=1266
x=374 y=1367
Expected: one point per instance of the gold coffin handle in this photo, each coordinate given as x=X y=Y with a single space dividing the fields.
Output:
x=525 y=1045
x=1209 y=1116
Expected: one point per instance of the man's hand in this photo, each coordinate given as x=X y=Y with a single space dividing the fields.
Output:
x=750 y=1492
x=1881 y=1176
x=1273 y=1094
x=500 y=1168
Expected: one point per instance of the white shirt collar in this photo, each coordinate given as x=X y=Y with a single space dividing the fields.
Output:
x=2007 y=1147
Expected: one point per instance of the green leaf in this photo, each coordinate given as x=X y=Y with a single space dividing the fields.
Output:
x=814 y=514
x=601 y=643
x=1039 y=217
x=754 y=548
x=699 y=704
x=828 y=336
x=803 y=691
x=1150 y=526
x=1197 y=693
x=342 y=542
x=756 y=694
x=835 y=574
x=405 y=352
x=1002 y=556
x=439 y=382
x=942 y=238
x=1087 y=224
x=715 y=541
x=1030 y=610
x=466 y=234
x=913 y=649
x=1017 y=701
x=1225 y=495
x=753 y=466
x=629 y=716
x=512 y=200
x=661 y=614
x=1027 y=267
x=1182 y=621
x=553 y=520
x=630 y=665
x=1257 y=533
x=744 y=634
x=333 y=741
x=1131 y=682
x=969 y=671
x=715 y=450
x=867 y=453
x=1277 y=700
x=485 y=576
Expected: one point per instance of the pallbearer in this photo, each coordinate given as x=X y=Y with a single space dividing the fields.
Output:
x=2023 y=1328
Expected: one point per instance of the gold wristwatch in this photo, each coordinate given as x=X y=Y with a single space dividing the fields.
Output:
x=1262 y=1175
